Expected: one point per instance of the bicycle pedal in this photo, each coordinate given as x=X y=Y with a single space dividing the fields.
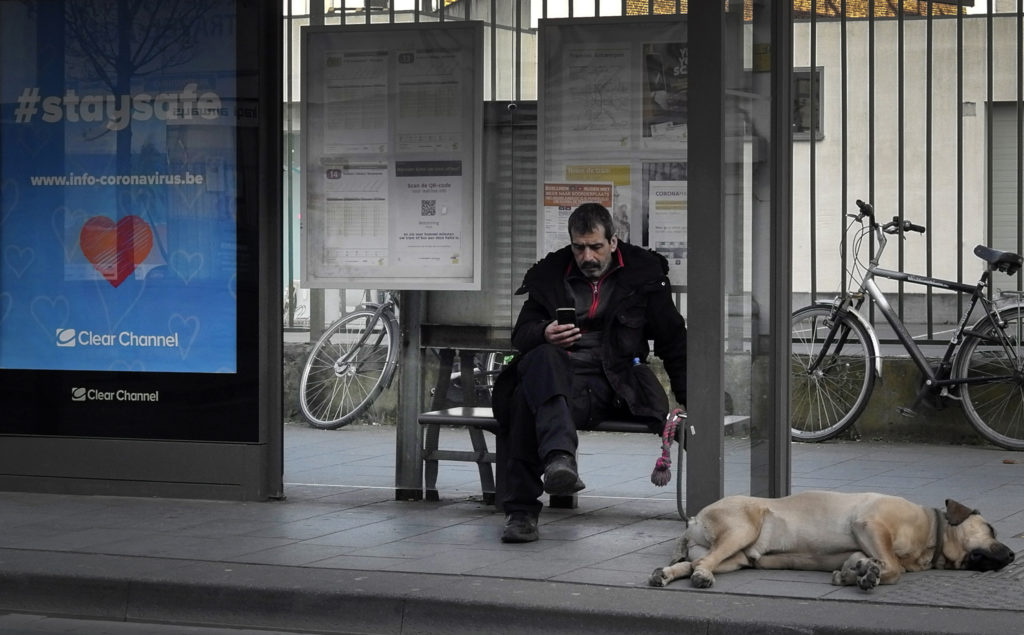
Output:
x=906 y=412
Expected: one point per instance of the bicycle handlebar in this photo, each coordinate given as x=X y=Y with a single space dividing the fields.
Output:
x=907 y=226
x=897 y=226
x=865 y=208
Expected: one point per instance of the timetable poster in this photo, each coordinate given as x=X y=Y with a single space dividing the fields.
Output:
x=391 y=152
x=118 y=188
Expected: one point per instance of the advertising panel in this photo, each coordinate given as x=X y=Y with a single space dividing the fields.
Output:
x=122 y=235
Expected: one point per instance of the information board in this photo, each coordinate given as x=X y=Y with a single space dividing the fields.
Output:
x=391 y=150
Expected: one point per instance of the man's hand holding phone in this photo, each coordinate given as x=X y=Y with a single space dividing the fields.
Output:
x=563 y=331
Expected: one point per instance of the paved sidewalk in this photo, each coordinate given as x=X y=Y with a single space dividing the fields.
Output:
x=340 y=555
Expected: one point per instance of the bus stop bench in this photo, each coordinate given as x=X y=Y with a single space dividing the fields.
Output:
x=478 y=420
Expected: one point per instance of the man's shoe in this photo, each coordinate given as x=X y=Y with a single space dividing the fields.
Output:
x=520 y=527
x=560 y=475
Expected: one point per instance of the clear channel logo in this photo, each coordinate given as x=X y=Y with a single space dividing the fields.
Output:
x=82 y=394
x=70 y=338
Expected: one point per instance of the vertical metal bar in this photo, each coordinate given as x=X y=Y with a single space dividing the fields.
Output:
x=494 y=49
x=271 y=354
x=845 y=100
x=517 y=93
x=706 y=275
x=780 y=278
x=900 y=176
x=871 y=128
x=409 y=434
x=1020 y=138
x=960 y=151
x=316 y=296
x=929 y=114
x=290 y=206
x=989 y=135
x=989 y=89
x=812 y=154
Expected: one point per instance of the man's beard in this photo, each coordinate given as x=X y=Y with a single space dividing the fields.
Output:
x=591 y=270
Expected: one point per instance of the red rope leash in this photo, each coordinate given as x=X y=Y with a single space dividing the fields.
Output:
x=662 y=473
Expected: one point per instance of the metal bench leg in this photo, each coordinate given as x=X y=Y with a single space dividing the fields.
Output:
x=476 y=435
x=446 y=359
x=500 y=460
x=570 y=501
x=564 y=502
x=430 y=465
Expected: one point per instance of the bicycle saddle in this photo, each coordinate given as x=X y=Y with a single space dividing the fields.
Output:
x=1005 y=261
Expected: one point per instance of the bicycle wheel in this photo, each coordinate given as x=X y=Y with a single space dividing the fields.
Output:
x=826 y=399
x=342 y=376
x=993 y=364
x=493 y=365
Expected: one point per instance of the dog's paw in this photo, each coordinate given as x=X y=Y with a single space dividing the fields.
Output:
x=837 y=578
x=869 y=572
x=702 y=578
x=658 y=578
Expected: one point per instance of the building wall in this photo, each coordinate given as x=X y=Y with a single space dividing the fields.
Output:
x=881 y=182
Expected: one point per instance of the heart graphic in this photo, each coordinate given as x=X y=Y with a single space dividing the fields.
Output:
x=115 y=250
x=50 y=313
x=187 y=329
x=19 y=259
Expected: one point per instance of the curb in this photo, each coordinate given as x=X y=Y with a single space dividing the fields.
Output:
x=146 y=589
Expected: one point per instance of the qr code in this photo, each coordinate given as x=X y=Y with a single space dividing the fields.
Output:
x=428 y=208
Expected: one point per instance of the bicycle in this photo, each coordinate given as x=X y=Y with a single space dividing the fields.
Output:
x=835 y=356
x=352 y=363
x=355 y=360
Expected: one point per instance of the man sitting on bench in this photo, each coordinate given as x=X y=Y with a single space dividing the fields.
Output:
x=574 y=375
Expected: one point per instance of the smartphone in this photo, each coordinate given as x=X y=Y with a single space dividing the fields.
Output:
x=566 y=315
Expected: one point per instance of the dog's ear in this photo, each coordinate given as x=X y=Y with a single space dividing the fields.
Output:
x=957 y=513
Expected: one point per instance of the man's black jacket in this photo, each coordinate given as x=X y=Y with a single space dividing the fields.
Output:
x=640 y=309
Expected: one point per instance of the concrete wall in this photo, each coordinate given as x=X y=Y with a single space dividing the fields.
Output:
x=880 y=421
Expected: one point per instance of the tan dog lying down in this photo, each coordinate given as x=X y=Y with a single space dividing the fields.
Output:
x=864 y=539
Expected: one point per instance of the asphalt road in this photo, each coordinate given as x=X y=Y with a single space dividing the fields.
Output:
x=30 y=624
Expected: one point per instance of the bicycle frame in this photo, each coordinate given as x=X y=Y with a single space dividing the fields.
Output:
x=868 y=286
x=932 y=378
x=379 y=308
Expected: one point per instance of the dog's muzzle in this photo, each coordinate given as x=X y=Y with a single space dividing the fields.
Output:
x=992 y=559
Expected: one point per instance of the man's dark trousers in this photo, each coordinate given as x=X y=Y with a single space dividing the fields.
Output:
x=549 y=404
